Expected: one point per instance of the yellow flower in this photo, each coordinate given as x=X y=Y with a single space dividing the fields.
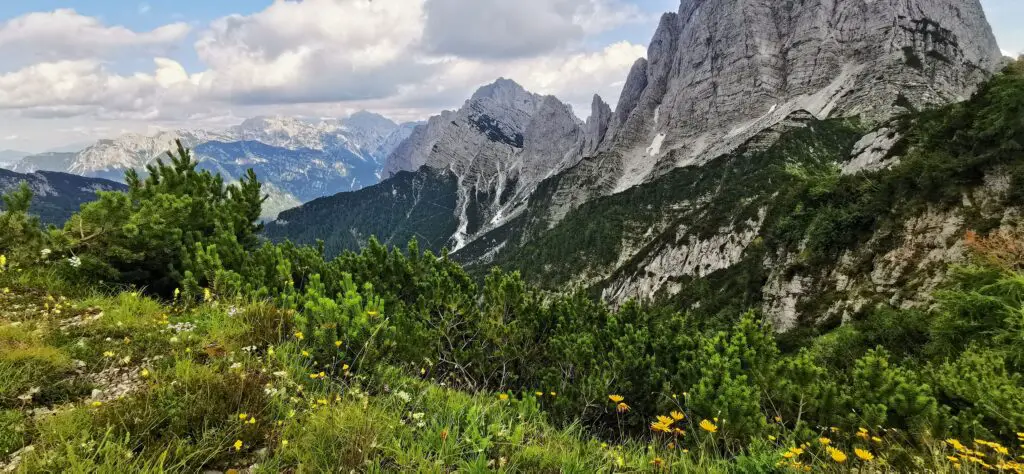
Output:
x=305 y=353
x=836 y=455
x=238 y=445
x=876 y=439
x=665 y=420
x=659 y=426
x=708 y=426
x=677 y=415
x=207 y=295
x=144 y=373
x=299 y=336
x=622 y=407
x=242 y=416
x=862 y=433
x=956 y=444
x=97 y=404
x=344 y=367
x=539 y=394
x=863 y=454
x=824 y=441
x=771 y=438
x=337 y=343
x=108 y=354
x=796 y=451
x=788 y=454
x=503 y=397
x=373 y=312
x=322 y=401
x=953 y=459
x=554 y=394
x=657 y=462
x=615 y=398
x=284 y=442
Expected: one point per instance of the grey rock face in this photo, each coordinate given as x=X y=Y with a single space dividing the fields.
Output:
x=499 y=145
x=719 y=71
x=597 y=126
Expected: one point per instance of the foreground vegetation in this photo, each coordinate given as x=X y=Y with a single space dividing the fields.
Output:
x=156 y=332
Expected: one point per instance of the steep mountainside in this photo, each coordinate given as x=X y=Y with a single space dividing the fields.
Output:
x=475 y=167
x=50 y=161
x=56 y=196
x=688 y=186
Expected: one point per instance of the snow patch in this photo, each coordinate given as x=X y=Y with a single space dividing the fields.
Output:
x=655 y=147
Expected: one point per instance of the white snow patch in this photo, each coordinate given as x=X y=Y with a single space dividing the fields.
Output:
x=657 y=114
x=655 y=147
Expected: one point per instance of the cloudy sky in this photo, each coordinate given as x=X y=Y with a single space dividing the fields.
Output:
x=75 y=71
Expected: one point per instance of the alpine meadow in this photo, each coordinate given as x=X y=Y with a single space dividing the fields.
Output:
x=795 y=244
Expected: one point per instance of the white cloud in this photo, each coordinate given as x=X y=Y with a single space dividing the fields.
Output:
x=503 y=29
x=65 y=34
x=1010 y=54
x=314 y=58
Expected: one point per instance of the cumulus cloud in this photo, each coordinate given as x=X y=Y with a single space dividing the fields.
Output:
x=65 y=34
x=318 y=57
x=500 y=29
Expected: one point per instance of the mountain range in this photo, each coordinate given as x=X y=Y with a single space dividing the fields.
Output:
x=56 y=196
x=681 y=186
x=297 y=159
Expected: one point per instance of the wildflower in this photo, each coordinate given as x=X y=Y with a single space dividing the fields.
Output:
x=863 y=454
x=657 y=462
x=344 y=367
x=665 y=420
x=322 y=401
x=177 y=293
x=824 y=441
x=75 y=262
x=243 y=416
x=953 y=459
x=45 y=253
x=503 y=397
x=778 y=419
x=539 y=394
x=836 y=455
x=238 y=445
x=284 y=442
x=772 y=438
x=305 y=353
x=252 y=421
x=659 y=426
x=796 y=451
x=337 y=343
x=876 y=439
x=678 y=432
x=3 y=262
x=554 y=394
x=956 y=444
x=708 y=426
x=862 y=433
x=788 y=454
x=622 y=407
x=444 y=435
x=677 y=415
x=97 y=404
x=299 y=336
x=108 y=354
x=616 y=398
x=144 y=373
x=207 y=295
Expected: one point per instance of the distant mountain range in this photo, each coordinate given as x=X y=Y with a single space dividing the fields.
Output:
x=56 y=196
x=297 y=159
x=9 y=157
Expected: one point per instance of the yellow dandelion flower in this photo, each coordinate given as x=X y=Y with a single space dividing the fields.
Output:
x=243 y=416
x=144 y=373
x=665 y=420
x=788 y=454
x=876 y=439
x=284 y=442
x=657 y=462
x=708 y=426
x=108 y=354
x=836 y=455
x=615 y=398
x=796 y=451
x=864 y=454
x=503 y=397
x=539 y=394
x=305 y=353
x=299 y=335
x=337 y=343
x=824 y=441
x=238 y=445
x=677 y=415
x=953 y=459
x=622 y=407
x=344 y=367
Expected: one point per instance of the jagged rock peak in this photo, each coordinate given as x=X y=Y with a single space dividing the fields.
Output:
x=369 y=121
x=719 y=71
x=596 y=126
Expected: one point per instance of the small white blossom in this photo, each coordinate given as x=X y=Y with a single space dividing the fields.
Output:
x=45 y=253
x=75 y=262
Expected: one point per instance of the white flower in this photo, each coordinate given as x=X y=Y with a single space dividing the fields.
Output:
x=236 y=366
x=45 y=253
x=75 y=262
x=403 y=396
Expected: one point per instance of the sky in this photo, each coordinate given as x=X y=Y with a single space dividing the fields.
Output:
x=75 y=71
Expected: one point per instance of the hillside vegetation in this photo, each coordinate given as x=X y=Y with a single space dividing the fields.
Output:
x=157 y=332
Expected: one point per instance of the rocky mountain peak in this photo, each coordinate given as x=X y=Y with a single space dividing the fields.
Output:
x=365 y=120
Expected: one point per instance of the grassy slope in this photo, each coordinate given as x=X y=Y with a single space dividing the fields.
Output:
x=101 y=383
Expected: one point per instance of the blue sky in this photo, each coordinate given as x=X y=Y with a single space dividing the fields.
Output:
x=115 y=66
